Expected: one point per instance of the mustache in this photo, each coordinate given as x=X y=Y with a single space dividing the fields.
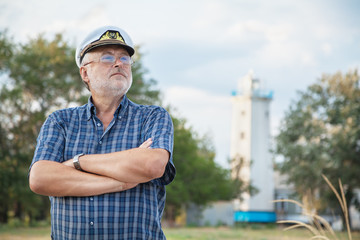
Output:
x=119 y=71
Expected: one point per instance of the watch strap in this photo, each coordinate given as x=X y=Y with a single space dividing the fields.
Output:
x=76 y=161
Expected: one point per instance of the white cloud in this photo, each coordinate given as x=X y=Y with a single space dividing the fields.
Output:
x=189 y=100
x=252 y=29
x=279 y=32
x=323 y=31
x=327 y=49
x=210 y=14
x=245 y=31
x=284 y=54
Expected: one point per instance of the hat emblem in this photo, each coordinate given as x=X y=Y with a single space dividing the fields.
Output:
x=114 y=35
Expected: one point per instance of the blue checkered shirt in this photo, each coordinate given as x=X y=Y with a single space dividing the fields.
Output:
x=132 y=214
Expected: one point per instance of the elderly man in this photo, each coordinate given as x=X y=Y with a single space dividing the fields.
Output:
x=105 y=164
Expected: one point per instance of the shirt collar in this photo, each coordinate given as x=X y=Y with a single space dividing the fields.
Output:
x=91 y=109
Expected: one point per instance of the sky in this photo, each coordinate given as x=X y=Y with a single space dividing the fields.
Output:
x=199 y=50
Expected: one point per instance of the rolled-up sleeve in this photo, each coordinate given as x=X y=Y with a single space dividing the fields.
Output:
x=160 y=128
x=50 y=142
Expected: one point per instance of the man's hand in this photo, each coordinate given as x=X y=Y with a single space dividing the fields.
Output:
x=69 y=163
x=146 y=144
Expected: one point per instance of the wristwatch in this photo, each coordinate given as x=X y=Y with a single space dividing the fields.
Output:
x=76 y=161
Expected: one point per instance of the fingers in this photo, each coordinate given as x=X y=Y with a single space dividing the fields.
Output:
x=125 y=186
x=146 y=144
x=68 y=163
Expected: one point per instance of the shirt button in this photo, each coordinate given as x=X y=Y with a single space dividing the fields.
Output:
x=92 y=223
x=91 y=198
x=100 y=142
x=119 y=117
x=98 y=124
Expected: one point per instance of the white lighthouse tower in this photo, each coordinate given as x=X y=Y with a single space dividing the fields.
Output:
x=250 y=150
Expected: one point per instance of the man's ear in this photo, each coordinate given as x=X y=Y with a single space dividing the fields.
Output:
x=84 y=74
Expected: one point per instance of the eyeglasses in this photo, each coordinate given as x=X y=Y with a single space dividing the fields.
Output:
x=111 y=59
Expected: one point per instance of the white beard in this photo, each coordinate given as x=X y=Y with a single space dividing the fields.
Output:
x=111 y=88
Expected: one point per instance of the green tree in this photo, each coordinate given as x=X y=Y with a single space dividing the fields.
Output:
x=320 y=134
x=142 y=91
x=6 y=52
x=36 y=78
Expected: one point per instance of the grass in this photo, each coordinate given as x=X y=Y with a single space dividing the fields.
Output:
x=234 y=233
x=206 y=233
x=28 y=233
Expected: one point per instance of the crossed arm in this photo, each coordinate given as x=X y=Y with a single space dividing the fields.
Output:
x=102 y=173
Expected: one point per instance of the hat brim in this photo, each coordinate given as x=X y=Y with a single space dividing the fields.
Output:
x=96 y=44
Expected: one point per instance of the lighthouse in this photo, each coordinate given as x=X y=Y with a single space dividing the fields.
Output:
x=251 y=160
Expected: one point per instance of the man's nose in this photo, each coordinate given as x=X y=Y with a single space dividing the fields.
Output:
x=118 y=62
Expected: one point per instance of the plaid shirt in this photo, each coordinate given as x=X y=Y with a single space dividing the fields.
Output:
x=132 y=214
